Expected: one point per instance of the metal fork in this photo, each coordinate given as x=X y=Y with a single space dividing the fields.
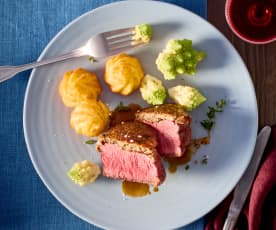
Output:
x=99 y=46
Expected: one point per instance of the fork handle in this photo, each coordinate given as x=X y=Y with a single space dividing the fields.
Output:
x=7 y=72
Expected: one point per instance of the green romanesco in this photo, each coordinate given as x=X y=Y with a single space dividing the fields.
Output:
x=84 y=172
x=142 y=33
x=187 y=96
x=152 y=90
x=179 y=57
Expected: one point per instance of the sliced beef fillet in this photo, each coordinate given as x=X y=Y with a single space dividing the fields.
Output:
x=128 y=152
x=172 y=123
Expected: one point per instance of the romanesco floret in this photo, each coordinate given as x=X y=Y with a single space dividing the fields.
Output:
x=152 y=90
x=187 y=96
x=142 y=33
x=179 y=57
x=84 y=172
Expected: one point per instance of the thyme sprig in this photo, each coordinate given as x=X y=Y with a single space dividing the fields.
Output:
x=209 y=123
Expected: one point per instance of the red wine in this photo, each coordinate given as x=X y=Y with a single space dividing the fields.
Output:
x=254 y=19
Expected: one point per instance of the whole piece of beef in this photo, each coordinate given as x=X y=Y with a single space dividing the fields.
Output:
x=128 y=152
x=172 y=123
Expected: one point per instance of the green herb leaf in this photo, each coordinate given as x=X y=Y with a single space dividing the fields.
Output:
x=91 y=142
x=208 y=124
x=121 y=107
x=212 y=112
x=187 y=167
x=204 y=161
x=220 y=103
x=219 y=110
x=91 y=59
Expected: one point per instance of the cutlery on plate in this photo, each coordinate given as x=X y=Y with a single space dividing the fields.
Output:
x=98 y=46
x=243 y=187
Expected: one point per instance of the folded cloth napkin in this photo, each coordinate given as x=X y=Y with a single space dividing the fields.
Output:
x=259 y=211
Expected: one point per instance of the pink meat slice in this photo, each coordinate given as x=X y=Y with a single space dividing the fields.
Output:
x=173 y=138
x=131 y=165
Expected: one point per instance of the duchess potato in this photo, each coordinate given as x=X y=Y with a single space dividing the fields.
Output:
x=90 y=118
x=77 y=86
x=123 y=74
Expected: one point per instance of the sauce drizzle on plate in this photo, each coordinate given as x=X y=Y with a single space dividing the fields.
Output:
x=134 y=189
x=123 y=113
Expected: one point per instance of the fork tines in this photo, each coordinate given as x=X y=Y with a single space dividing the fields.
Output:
x=119 y=38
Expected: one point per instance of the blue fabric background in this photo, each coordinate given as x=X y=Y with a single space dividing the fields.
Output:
x=26 y=26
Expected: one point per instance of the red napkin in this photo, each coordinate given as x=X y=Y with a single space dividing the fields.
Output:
x=259 y=211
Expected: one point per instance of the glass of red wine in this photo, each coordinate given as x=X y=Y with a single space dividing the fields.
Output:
x=253 y=21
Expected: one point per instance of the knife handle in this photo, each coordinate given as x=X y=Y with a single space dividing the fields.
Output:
x=229 y=224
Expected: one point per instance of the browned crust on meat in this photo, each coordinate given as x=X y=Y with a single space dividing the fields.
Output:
x=172 y=112
x=131 y=136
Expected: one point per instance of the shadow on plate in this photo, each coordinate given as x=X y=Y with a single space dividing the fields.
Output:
x=217 y=53
x=161 y=30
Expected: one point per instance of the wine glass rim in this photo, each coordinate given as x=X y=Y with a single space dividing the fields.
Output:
x=239 y=34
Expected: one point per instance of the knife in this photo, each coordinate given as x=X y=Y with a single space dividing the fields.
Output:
x=243 y=187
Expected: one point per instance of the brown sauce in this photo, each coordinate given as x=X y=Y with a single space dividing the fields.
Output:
x=134 y=189
x=174 y=162
x=126 y=113
x=201 y=141
x=155 y=189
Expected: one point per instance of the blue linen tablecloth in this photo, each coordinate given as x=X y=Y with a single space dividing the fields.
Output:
x=26 y=26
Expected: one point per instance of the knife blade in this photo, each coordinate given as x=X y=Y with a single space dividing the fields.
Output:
x=243 y=187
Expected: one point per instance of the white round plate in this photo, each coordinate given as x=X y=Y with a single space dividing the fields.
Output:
x=186 y=195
